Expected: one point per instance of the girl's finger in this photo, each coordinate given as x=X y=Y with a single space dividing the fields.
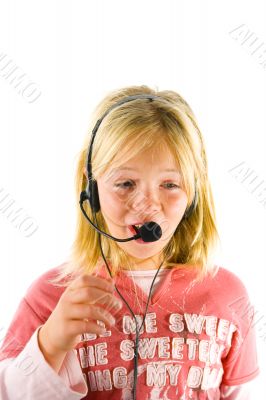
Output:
x=86 y=280
x=95 y=296
x=77 y=327
x=91 y=312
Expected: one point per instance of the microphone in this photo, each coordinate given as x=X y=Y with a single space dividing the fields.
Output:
x=149 y=232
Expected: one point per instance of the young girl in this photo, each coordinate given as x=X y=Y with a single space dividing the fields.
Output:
x=139 y=310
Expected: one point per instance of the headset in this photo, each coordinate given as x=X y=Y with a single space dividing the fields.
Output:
x=149 y=232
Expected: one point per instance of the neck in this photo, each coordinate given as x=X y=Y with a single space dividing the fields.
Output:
x=147 y=264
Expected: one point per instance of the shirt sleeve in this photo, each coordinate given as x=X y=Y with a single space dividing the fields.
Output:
x=241 y=364
x=240 y=392
x=24 y=323
x=29 y=376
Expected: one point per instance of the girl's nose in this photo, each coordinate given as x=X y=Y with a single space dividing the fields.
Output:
x=147 y=202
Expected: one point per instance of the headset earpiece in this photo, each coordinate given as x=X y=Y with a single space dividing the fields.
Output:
x=93 y=195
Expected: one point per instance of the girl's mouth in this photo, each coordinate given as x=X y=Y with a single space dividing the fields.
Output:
x=134 y=230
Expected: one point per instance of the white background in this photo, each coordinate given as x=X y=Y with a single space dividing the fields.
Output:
x=77 y=51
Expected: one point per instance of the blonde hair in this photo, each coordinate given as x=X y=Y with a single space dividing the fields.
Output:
x=135 y=127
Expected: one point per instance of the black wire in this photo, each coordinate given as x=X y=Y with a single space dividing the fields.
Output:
x=137 y=330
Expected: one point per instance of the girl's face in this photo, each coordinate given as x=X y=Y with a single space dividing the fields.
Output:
x=139 y=191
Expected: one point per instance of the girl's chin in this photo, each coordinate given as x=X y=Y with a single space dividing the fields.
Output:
x=140 y=251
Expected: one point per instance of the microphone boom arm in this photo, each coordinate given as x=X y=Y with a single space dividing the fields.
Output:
x=135 y=237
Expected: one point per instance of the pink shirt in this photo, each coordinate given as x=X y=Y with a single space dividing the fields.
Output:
x=197 y=339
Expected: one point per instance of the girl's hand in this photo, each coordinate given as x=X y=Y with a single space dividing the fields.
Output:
x=87 y=299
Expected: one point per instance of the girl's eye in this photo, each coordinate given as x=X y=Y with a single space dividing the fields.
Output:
x=124 y=185
x=173 y=187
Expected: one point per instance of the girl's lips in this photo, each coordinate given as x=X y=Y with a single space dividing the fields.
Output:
x=132 y=230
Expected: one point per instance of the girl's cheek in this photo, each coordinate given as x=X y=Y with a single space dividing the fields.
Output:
x=176 y=203
x=174 y=198
x=125 y=200
x=113 y=204
x=108 y=194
